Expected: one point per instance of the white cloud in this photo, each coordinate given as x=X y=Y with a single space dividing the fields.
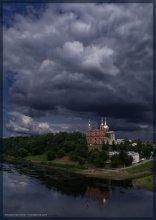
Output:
x=20 y=123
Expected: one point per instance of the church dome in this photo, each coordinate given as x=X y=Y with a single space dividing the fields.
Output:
x=105 y=126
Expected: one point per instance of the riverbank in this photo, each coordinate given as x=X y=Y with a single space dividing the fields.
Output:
x=144 y=182
x=141 y=174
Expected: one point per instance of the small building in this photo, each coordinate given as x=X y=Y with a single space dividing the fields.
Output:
x=135 y=155
x=119 y=141
x=134 y=144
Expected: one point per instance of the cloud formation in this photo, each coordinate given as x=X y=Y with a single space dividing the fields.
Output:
x=94 y=59
x=22 y=124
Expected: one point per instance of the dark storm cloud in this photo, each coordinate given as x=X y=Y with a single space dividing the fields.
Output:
x=83 y=58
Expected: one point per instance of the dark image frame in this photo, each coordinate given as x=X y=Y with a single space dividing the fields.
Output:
x=2 y=2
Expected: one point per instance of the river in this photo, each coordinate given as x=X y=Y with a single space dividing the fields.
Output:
x=31 y=192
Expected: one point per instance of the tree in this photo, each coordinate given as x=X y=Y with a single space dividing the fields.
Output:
x=69 y=146
x=146 y=150
x=73 y=156
x=105 y=146
x=81 y=160
x=123 y=156
x=37 y=150
x=60 y=153
x=114 y=146
x=139 y=146
x=51 y=155
x=123 y=147
x=39 y=144
x=81 y=151
x=115 y=161
x=128 y=160
x=126 y=141
x=104 y=155
x=98 y=158
x=21 y=152
x=125 y=159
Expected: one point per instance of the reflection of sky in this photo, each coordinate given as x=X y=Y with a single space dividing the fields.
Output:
x=26 y=195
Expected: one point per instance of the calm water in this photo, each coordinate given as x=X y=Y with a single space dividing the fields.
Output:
x=36 y=193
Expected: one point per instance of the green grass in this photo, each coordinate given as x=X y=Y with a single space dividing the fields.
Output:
x=145 y=182
x=70 y=168
x=64 y=160
x=141 y=167
x=41 y=157
x=62 y=163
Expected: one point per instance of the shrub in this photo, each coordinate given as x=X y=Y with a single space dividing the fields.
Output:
x=98 y=158
x=81 y=151
x=128 y=161
x=73 y=156
x=81 y=160
x=146 y=151
x=115 y=161
x=121 y=159
x=125 y=158
x=105 y=146
x=21 y=152
x=60 y=153
x=37 y=150
x=51 y=155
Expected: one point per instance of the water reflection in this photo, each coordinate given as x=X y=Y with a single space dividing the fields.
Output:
x=96 y=194
x=64 y=195
x=69 y=184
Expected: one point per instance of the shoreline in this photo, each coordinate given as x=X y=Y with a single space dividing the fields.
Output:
x=139 y=178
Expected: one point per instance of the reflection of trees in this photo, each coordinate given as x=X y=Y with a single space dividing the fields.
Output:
x=72 y=184
x=62 y=182
x=96 y=194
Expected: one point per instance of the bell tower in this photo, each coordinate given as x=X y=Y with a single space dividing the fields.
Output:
x=89 y=125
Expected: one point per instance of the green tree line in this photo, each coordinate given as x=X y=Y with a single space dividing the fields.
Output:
x=74 y=146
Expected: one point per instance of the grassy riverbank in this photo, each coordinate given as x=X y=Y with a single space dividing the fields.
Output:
x=141 y=174
x=144 y=182
x=141 y=170
x=141 y=167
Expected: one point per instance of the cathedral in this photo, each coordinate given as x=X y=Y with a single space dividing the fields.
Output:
x=101 y=135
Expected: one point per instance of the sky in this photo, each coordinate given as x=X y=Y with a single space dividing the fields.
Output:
x=64 y=64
